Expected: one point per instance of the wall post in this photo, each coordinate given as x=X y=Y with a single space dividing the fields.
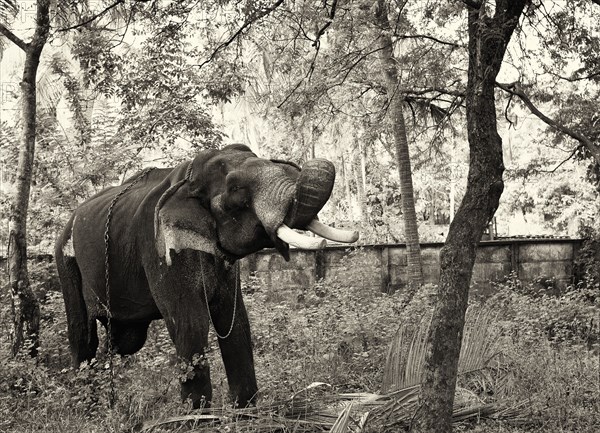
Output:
x=319 y=265
x=514 y=258
x=385 y=269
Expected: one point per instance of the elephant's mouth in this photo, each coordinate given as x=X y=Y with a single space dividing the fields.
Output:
x=281 y=246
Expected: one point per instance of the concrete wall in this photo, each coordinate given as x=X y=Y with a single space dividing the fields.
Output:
x=383 y=267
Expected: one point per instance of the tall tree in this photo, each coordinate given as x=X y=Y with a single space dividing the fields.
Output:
x=489 y=35
x=26 y=310
x=398 y=127
x=25 y=307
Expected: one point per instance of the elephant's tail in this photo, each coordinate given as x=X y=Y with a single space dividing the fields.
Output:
x=78 y=323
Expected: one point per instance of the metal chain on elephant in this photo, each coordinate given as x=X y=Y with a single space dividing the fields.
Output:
x=107 y=272
x=188 y=177
x=107 y=235
x=235 y=295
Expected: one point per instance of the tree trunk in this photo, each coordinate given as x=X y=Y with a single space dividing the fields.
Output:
x=488 y=38
x=363 y=164
x=25 y=307
x=346 y=181
x=360 y=190
x=453 y=164
x=402 y=154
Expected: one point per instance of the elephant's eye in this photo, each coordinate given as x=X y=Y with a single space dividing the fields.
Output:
x=236 y=199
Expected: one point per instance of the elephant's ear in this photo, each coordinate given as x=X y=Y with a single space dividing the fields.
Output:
x=181 y=222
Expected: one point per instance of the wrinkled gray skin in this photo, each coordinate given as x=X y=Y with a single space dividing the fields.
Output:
x=170 y=239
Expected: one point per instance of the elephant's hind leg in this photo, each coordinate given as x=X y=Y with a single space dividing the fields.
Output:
x=128 y=337
x=82 y=330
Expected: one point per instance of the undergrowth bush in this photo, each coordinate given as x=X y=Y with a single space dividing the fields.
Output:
x=588 y=257
x=546 y=362
x=527 y=314
x=330 y=334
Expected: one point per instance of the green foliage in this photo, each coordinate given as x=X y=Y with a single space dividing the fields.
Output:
x=406 y=355
x=589 y=256
x=548 y=354
x=531 y=313
x=99 y=64
x=327 y=334
x=549 y=194
x=546 y=359
x=164 y=97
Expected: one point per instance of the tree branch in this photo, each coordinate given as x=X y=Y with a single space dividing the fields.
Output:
x=326 y=25
x=13 y=38
x=515 y=89
x=251 y=20
x=98 y=15
x=573 y=78
x=440 y=90
x=93 y=17
x=289 y=95
x=351 y=67
x=432 y=38
x=572 y=154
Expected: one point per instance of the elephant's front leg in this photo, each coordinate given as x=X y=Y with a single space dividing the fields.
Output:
x=191 y=340
x=177 y=291
x=236 y=348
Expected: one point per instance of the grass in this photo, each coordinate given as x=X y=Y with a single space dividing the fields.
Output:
x=543 y=375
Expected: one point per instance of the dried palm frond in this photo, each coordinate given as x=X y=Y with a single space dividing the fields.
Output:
x=406 y=354
x=478 y=341
x=330 y=412
x=342 y=423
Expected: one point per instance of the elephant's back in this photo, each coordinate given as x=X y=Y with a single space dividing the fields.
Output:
x=89 y=227
x=117 y=214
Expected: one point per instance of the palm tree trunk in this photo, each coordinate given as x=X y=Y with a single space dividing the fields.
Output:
x=346 y=181
x=398 y=128
x=25 y=307
x=363 y=164
x=360 y=190
x=488 y=38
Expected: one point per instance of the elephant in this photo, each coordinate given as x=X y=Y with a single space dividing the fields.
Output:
x=164 y=245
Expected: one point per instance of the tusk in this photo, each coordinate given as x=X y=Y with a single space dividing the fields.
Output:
x=331 y=233
x=298 y=240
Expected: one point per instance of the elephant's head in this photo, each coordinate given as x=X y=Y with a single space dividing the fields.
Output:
x=237 y=203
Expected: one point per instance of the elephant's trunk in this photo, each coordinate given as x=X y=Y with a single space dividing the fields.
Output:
x=313 y=189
